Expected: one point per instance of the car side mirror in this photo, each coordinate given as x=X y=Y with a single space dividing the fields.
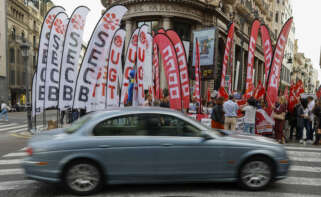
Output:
x=206 y=137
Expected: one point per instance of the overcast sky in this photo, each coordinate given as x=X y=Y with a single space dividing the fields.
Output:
x=307 y=16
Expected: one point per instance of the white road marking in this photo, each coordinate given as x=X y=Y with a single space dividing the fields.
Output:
x=10 y=128
x=24 y=148
x=10 y=161
x=17 y=154
x=301 y=148
x=19 y=130
x=305 y=169
x=305 y=159
x=301 y=181
x=11 y=171
x=8 y=125
x=10 y=185
x=304 y=154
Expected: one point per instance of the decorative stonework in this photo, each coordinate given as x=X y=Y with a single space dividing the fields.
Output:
x=163 y=9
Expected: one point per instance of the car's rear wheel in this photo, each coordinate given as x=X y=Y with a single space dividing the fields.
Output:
x=83 y=178
x=256 y=174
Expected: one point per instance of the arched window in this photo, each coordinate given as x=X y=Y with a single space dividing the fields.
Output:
x=22 y=35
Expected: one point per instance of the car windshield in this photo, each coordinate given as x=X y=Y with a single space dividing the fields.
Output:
x=78 y=124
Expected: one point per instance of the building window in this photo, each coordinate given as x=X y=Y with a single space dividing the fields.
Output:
x=153 y=25
x=277 y=17
x=34 y=42
x=22 y=35
x=12 y=55
x=19 y=57
x=13 y=34
x=12 y=77
x=183 y=30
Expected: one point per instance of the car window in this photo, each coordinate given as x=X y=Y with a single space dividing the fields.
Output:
x=172 y=126
x=129 y=125
x=78 y=124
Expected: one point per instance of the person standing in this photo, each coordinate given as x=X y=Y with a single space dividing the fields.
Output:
x=279 y=111
x=217 y=115
x=148 y=101
x=230 y=109
x=311 y=105
x=317 y=118
x=249 y=117
x=4 y=111
x=300 y=121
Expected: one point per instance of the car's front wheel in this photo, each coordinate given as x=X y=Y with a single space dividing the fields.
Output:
x=83 y=178
x=256 y=174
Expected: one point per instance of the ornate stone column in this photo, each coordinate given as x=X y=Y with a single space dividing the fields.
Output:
x=129 y=31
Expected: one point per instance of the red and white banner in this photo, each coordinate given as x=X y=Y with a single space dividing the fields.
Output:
x=130 y=61
x=148 y=64
x=183 y=68
x=222 y=93
x=156 y=73
x=263 y=122
x=43 y=57
x=227 y=52
x=267 y=49
x=274 y=78
x=170 y=62
x=141 y=58
x=259 y=91
x=115 y=68
x=90 y=91
x=71 y=56
x=250 y=60
x=197 y=85
x=55 y=48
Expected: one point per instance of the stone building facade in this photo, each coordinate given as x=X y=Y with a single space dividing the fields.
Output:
x=24 y=20
x=186 y=16
x=3 y=54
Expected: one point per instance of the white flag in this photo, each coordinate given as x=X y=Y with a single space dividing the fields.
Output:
x=89 y=85
x=141 y=59
x=130 y=62
x=115 y=68
x=148 y=64
x=70 y=57
x=42 y=57
x=57 y=36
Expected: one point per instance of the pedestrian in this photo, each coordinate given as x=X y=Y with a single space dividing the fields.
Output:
x=306 y=120
x=278 y=115
x=4 y=111
x=165 y=102
x=292 y=122
x=192 y=108
x=300 y=120
x=311 y=104
x=249 y=117
x=317 y=114
x=230 y=108
x=217 y=115
x=62 y=116
x=148 y=101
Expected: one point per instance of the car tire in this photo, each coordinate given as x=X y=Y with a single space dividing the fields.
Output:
x=256 y=174
x=83 y=178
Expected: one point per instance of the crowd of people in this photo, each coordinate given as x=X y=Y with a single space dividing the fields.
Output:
x=303 y=124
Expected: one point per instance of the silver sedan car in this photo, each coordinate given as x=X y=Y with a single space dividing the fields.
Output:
x=150 y=145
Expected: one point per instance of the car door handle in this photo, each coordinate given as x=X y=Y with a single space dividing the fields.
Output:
x=104 y=146
x=166 y=144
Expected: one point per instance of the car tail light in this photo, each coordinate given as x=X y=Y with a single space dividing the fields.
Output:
x=29 y=151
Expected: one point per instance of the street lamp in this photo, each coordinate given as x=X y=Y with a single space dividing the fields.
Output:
x=24 y=46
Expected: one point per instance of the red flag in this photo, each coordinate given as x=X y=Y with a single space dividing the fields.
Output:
x=222 y=93
x=259 y=91
x=292 y=98
x=197 y=88
x=156 y=71
x=274 y=78
x=182 y=65
x=170 y=62
x=286 y=94
x=250 y=60
x=208 y=95
x=228 y=47
x=267 y=49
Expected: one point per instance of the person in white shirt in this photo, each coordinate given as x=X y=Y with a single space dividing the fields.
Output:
x=230 y=108
x=4 y=111
x=249 y=118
